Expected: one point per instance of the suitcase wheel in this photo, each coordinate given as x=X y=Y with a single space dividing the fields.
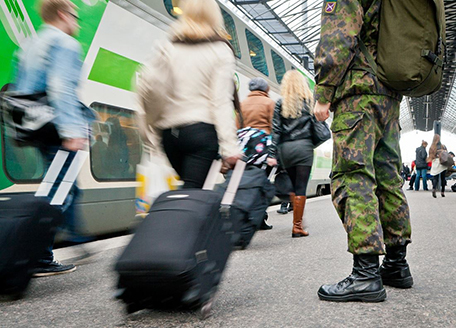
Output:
x=133 y=307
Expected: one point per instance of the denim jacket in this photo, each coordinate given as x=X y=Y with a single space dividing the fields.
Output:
x=51 y=62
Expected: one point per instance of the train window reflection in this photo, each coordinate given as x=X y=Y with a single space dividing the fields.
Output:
x=279 y=66
x=256 y=52
x=232 y=33
x=22 y=164
x=115 y=148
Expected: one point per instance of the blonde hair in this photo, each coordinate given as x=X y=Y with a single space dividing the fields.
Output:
x=295 y=90
x=200 y=19
x=50 y=8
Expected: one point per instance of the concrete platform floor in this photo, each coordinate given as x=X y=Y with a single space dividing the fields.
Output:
x=271 y=284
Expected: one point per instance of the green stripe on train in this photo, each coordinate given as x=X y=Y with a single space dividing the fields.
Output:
x=114 y=70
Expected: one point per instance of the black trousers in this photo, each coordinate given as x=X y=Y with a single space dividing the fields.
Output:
x=191 y=150
x=435 y=181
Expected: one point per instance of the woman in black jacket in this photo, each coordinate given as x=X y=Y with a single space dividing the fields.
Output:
x=291 y=137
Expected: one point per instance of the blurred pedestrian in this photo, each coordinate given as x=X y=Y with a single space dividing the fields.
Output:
x=366 y=185
x=412 y=176
x=438 y=171
x=292 y=141
x=51 y=62
x=189 y=112
x=421 y=166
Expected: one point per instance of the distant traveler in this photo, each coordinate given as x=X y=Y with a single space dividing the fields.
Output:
x=292 y=141
x=51 y=62
x=421 y=166
x=257 y=112
x=438 y=171
x=366 y=185
x=194 y=118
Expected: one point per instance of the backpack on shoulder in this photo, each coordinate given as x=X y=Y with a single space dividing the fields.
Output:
x=411 y=46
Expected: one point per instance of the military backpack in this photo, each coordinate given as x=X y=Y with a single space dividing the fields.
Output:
x=411 y=46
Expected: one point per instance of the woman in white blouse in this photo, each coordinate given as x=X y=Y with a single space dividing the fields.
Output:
x=187 y=93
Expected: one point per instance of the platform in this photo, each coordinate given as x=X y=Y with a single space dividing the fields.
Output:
x=273 y=283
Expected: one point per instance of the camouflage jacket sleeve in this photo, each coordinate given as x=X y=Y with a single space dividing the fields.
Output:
x=341 y=23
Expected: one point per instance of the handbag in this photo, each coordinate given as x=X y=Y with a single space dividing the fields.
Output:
x=320 y=132
x=283 y=186
x=28 y=119
x=446 y=159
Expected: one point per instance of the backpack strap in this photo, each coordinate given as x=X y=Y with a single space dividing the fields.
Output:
x=370 y=59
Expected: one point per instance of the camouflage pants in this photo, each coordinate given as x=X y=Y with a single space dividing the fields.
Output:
x=366 y=184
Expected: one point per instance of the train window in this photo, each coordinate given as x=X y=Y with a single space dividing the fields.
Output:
x=232 y=33
x=256 y=52
x=21 y=164
x=279 y=66
x=115 y=148
x=172 y=7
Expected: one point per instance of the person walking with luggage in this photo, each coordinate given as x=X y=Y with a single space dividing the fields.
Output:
x=51 y=62
x=366 y=185
x=257 y=112
x=421 y=166
x=194 y=118
x=292 y=141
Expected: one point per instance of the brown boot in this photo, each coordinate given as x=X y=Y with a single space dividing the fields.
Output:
x=298 y=211
x=292 y=198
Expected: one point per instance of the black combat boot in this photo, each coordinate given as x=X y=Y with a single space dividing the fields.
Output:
x=395 y=270
x=364 y=284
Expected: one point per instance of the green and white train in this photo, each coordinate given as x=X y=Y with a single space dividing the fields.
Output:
x=117 y=36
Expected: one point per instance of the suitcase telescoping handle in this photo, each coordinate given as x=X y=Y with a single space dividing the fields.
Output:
x=68 y=180
x=233 y=185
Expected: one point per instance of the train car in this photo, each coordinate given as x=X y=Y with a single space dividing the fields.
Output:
x=117 y=36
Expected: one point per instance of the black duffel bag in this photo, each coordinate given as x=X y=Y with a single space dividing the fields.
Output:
x=283 y=186
x=28 y=119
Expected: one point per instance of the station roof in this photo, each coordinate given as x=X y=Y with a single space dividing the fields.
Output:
x=295 y=26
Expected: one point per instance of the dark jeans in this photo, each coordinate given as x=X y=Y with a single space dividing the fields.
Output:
x=71 y=223
x=423 y=174
x=191 y=150
x=435 y=181
x=299 y=176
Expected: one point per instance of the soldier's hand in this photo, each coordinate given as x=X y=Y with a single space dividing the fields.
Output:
x=74 y=144
x=321 y=111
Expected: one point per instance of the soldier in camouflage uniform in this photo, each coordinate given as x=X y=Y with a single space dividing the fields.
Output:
x=366 y=182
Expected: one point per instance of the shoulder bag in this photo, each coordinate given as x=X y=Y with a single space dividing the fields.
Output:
x=320 y=132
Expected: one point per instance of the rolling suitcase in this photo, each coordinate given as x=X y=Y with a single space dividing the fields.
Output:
x=252 y=199
x=27 y=224
x=178 y=253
